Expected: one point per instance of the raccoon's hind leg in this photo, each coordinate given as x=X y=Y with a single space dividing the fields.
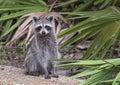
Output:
x=45 y=68
x=31 y=67
x=54 y=70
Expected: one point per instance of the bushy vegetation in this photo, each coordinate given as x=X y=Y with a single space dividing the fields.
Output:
x=95 y=20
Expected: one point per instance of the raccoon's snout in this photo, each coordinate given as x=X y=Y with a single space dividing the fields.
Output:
x=43 y=33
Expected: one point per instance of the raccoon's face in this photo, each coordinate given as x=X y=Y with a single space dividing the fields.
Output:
x=43 y=26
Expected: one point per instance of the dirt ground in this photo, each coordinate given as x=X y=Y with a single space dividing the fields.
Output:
x=10 y=75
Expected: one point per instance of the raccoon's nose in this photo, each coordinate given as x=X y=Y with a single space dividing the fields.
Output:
x=43 y=32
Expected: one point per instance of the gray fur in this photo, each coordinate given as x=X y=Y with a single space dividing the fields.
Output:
x=42 y=51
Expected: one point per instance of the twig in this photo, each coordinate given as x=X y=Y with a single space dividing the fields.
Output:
x=52 y=5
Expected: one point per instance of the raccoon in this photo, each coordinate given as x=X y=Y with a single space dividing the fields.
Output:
x=43 y=49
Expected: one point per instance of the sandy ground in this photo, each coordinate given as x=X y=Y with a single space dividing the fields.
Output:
x=10 y=75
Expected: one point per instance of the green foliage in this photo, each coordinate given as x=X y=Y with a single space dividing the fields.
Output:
x=101 y=71
x=100 y=20
x=86 y=5
x=3 y=55
x=11 y=10
x=97 y=19
x=14 y=54
x=106 y=27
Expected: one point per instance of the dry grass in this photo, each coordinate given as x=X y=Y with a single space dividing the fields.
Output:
x=25 y=31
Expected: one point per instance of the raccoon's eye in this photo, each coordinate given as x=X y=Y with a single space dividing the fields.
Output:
x=48 y=27
x=38 y=28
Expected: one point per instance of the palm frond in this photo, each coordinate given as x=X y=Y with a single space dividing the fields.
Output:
x=99 y=70
x=12 y=10
x=26 y=27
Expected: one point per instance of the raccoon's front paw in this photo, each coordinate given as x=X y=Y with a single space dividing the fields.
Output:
x=34 y=73
x=47 y=77
x=55 y=76
x=26 y=73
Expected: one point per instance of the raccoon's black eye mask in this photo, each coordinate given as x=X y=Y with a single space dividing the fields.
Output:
x=48 y=27
x=38 y=28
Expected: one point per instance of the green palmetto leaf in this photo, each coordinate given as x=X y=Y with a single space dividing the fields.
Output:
x=96 y=78
x=85 y=6
x=13 y=9
x=42 y=2
x=29 y=2
x=20 y=13
x=19 y=7
x=107 y=33
x=87 y=33
x=99 y=70
x=22 y=2
x=117 y=80
x=94 y=62
x=85 y=73
x=106 y=25
x=106 y=3
x=67 y=2
x=94 y=14
x=11 y=28
x=7 y=27
x=98 y=2
x=94 y=20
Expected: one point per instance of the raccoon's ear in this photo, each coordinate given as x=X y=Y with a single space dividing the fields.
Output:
x=35 y=19
x=50 y=18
